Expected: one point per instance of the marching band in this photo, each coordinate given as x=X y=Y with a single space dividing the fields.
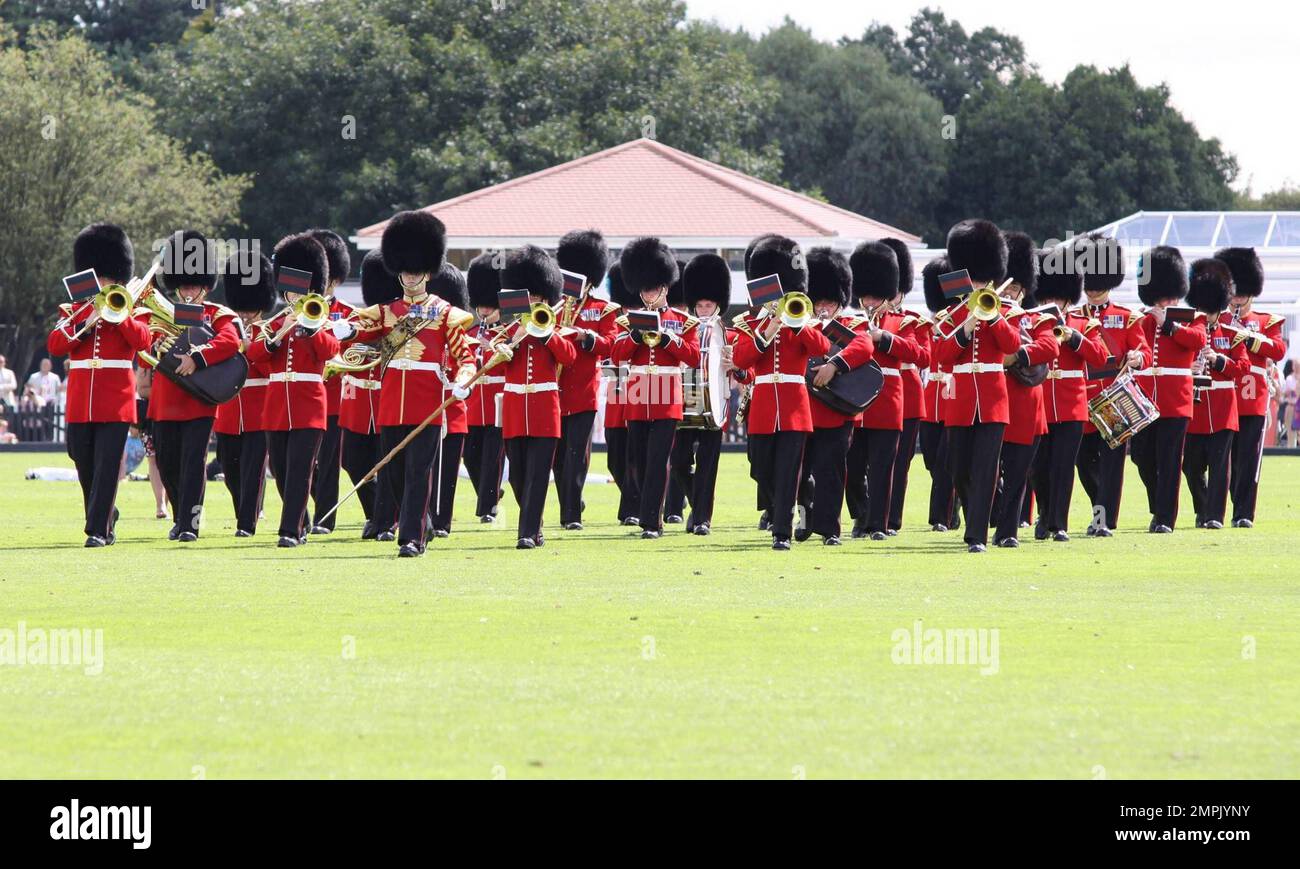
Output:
x=1022 y=373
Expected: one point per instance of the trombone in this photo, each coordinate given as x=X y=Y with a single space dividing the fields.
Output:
x=539 y=322
x=795 y=310
x=984 y=304
x=310 y=312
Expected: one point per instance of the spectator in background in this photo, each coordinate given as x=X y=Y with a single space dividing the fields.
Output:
x=8 y=385
x=31 y=415
x=45 y=383
x=144 y=430
x=1286 y=409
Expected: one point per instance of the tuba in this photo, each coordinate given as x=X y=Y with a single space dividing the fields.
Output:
x=354 y=359
x=213 y=384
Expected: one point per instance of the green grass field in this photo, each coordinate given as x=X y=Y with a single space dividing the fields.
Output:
x=603 y=655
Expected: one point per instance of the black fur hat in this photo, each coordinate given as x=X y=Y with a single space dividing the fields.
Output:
x=935 y=300
x=781 y=256
x=749 y=250
x=249 y=289
x=1058 y=278
x=1022 y=265
x=829 y=277
x=303 y=252
x=379 y=286
x=531 y=268
x=875 y=271
x=1210 y=286
x=647 y=263
x=978 y=247
x=906 y=276
x=1162 y=274
x=189 y=260
x=707 y=277
x=483 y=281
x=449 y=285
x=105 y=248
x=584 y=251
x=618 y=291
x=1100 y=260
x=414 y=242
x=336 y=250
x=676 y=291
x=1247 y=270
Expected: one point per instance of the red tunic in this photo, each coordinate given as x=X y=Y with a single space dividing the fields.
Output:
x=1168 y=380
x=580 y=380
x=1217 y=410
x=101 y=384
x=530 y=405
x=1121 y=331
x=1037 y=346
x=654 y=383
x=1252 y=385
x=295 y=397
x=857 y=354
x=244 y=412
x=359 y=401
x=780 y=398
x=481 y=407
x=978 y=382
x=938 y=377
x=895 y=348
x=339 y=310
x=168 y=402
x=915 y=327
x=1065 y=391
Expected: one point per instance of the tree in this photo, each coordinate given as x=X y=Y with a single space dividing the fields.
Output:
x=76 y=147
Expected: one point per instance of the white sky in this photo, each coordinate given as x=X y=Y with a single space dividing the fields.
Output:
x=1233 y=66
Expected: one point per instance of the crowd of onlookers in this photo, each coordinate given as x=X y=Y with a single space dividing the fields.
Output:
x=34 y=411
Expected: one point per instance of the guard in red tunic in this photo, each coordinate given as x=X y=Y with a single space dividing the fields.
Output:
x=978 y=412
x=295 y=409
x=325 y=480
x=582 y=252
x=780 y=416
x=1214 y=418
x=484 y=448
x=1264 y=345
x=449 y=287
x=821 y=493
x=1101 y=469
x=943 y=512
x=1065 y=393
x=914 y=326
x=359 y=414
x=182 y=423
x=431 y=362
x=1025 y=371
x=101 y=382
x=241 y=435
x=530 y=405
x=1175 y=340
x=675 y=498
x=614 y=382
x=653 y=399
x=874 y=448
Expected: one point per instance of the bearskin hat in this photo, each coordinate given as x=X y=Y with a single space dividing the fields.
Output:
x=647 y=263
x=829 y=277
x=1247 y=270
x=249 y=286
x=749 y=250
x=935 y=300
x=188 y=260
x=1059 y=279
x=379 y=286
x=618 y=291
x=1210 y=286
x=336 y=250
x=904 y=255
x=1162 y=274
x=979 y=247
x=531 y=268
x=414 y=242
x=1100 y=261
x=1022 y=264
x=875 y=271
x=779 y=256
x=105 y=248
x=483 y=282
x=305 y=253
x=676 y=292
x=584 y=251
x=449 y=285
x=707 y=277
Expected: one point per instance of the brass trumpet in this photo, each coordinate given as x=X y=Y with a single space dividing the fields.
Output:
x=795 y=310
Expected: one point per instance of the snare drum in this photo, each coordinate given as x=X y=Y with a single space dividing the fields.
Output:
x=1121 y=410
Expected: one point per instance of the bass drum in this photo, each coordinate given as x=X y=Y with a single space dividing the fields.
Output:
x=705 y=390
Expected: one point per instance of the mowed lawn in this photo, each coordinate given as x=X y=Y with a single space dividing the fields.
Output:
x=606 y=655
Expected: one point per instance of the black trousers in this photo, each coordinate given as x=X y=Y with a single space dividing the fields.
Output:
x=181 y=448
x=572 y=460
x=325 y=481
x=825 y=461
x=675 y=498
x=293 y=464
x=243 y=461
x=530 y=472
x=444 y=494
x=1101 y=470
x=410 y=477
x=1247 y=455
x=1206 y=462
x=484 y=460
x=776 y=461
x=870 y=475
x=96 y=449
x=624 y=472
x=649 y=446
x=974 y=452
x=361 y=452
x=1157 y=451
x=934 y=451
x=902 y=465
x=694 y=466
x=1017 y=460
x=1053 y=473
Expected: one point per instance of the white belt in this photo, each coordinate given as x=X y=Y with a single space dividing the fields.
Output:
x=291 y=376
x=1259 y=369
x=359 y=383
x=778 y=377
x=977 y=368
x=415 y=365
x=1064 y=374
x=907 y=366
x=101 y=363
x=937 y=376
x=890 y=372
x=654 y=369
x=491 y=380
x=256 y=381
x=524 y=388
x=1222 y=384
x=1157 y=372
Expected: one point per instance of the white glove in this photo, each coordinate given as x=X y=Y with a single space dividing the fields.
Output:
x=460 y=391
x=342 y=329
x=505 y=351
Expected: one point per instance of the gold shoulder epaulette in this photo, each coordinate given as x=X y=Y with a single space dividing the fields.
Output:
x=1273 y=320
x=691 y=323
x=222 y=311
x=1133 y=318
x=622 y=322
x=857 y=321
x=459 y=318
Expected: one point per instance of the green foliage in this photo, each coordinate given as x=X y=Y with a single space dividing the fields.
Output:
x=1285 y=198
